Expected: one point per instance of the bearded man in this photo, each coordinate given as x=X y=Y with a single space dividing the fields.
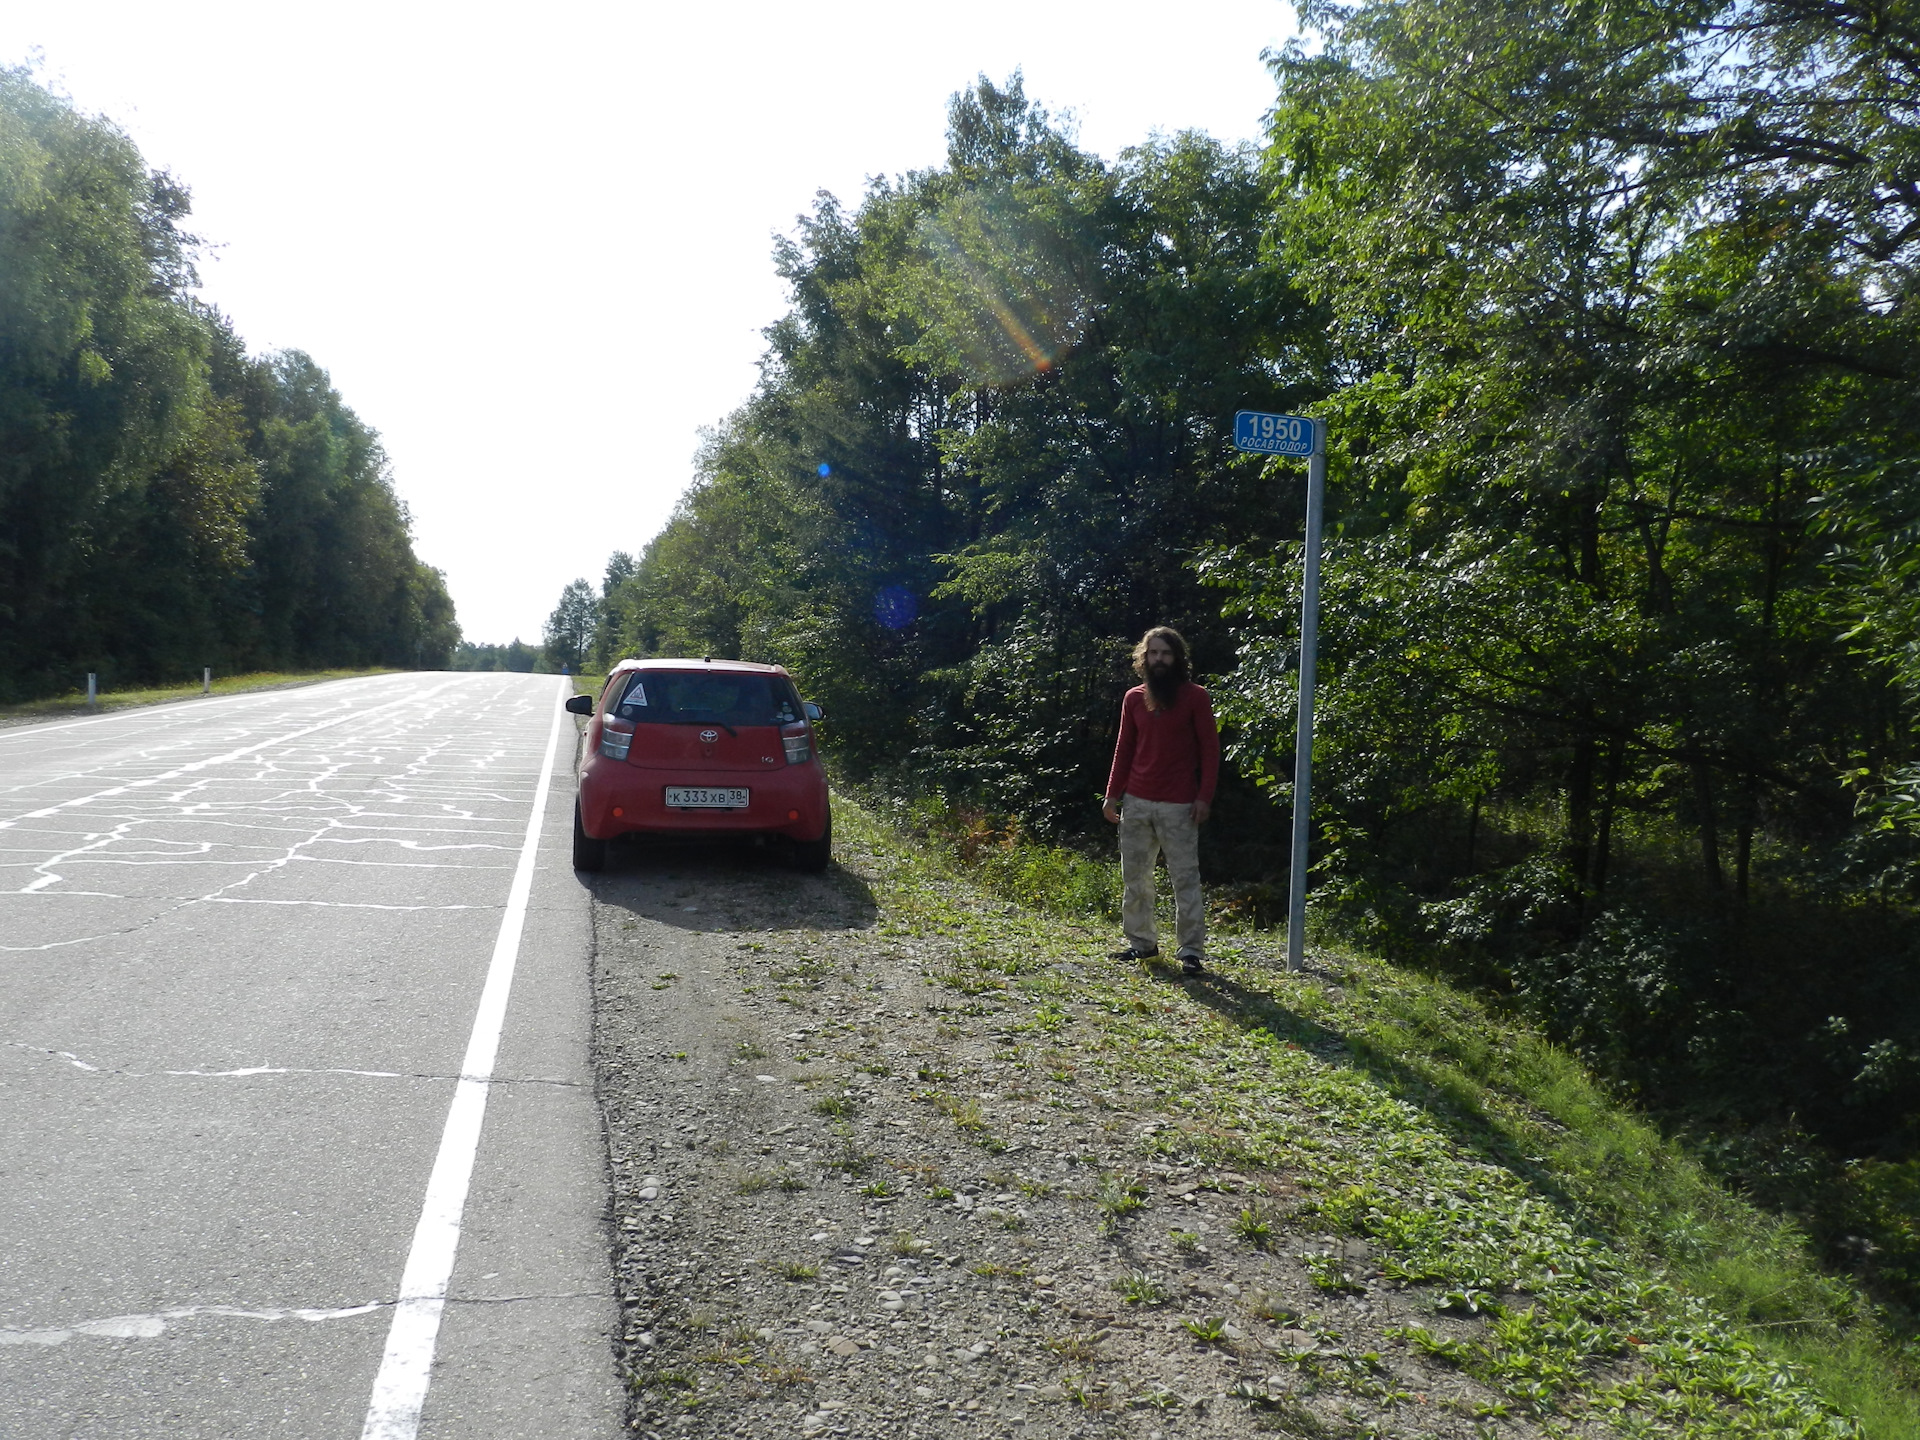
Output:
x=1159 y=792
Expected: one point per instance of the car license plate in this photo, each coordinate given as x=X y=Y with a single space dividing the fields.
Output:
x=706 y=797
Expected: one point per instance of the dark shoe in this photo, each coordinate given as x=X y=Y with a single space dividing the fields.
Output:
x=1190 y=965
x=1131 y=954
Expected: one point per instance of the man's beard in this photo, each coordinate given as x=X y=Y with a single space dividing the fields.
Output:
x=1163 y=683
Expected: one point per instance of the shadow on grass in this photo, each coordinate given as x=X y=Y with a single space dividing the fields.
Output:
x=1458 y=1111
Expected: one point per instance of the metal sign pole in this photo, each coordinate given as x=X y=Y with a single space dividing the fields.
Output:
x=1303 y=735
x=1256 y=432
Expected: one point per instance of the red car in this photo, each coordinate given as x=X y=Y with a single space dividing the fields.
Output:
x=701 y=747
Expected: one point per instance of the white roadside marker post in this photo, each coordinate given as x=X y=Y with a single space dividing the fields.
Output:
x=93 y=691
x=1264 y=434
x=206 y=681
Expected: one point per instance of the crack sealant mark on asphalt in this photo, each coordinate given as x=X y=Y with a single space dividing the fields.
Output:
x=209 y=762
x=358 y=810
x=153 y=1324
x=251 y=1071
x=66 y=1055
x=341 y=904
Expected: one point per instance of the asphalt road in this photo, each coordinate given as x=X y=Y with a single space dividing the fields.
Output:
x=243 y=948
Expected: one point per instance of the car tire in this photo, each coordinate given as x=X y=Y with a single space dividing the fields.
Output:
x=588 y=853
x=812 y=855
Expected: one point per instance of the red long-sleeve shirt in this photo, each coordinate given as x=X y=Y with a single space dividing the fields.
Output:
x=1171 y=754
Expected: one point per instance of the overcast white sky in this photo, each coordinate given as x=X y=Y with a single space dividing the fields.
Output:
x=532 y=247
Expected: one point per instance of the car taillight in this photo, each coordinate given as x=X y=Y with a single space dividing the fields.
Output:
x=799 y=743
x=616 y=738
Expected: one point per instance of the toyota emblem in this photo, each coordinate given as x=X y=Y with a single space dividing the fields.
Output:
x=707 y=737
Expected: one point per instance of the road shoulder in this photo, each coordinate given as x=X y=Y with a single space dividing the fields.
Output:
x=874 y=1171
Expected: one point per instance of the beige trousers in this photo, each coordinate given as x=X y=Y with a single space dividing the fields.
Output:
x=1148 y=830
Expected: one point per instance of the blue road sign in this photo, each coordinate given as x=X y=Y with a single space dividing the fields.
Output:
x=1266 y=434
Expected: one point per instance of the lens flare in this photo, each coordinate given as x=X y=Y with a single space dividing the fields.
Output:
x=1007 y=298
x=895 y=608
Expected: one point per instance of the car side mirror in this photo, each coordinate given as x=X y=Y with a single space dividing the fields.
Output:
x=814 y=712
x=580 y=705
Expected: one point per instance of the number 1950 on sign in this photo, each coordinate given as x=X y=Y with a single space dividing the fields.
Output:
x=1266 y=434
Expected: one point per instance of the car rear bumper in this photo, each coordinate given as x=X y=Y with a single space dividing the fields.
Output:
x=790 y=801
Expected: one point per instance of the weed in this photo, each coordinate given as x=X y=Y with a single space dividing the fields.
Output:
x=796 y=1270
x=1272 y=1311
x=1118 y=1197
x=994 y=1270
x=854 y=1162
x=786 y=1375
x=1137 y=1287
x=1255 y=1225
x=1329 y=1273
x=967 y=1116
x=1038 y=1189
x=747 y=1050
x=1075 y=1349
x=668 y=1380
x=1209 y=1331
x=1187 y=1242
x=790 y=1182
x=834 y=1106
x=881 y=1189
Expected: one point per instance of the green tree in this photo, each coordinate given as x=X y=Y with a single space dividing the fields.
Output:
x=167 y=501
x=570 y=628
x=991 y=438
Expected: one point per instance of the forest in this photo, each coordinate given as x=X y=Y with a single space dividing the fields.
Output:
x=168 y=501
x=1610 y=311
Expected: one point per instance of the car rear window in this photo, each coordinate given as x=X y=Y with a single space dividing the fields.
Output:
x=667 y=697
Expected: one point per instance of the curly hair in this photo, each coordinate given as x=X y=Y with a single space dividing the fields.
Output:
x=1176 y=642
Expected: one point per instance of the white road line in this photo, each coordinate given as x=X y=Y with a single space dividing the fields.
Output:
x=406 y=1368
x=213 y=760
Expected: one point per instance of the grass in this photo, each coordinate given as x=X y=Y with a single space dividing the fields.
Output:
x=999 y=855
x=1614 y=1278
x=75 y=701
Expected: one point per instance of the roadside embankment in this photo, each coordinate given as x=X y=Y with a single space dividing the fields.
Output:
x=891 y=1153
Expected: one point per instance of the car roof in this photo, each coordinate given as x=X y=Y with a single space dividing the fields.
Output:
x=661 y=662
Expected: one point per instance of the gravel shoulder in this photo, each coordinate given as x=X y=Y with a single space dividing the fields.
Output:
x=875 y=1166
